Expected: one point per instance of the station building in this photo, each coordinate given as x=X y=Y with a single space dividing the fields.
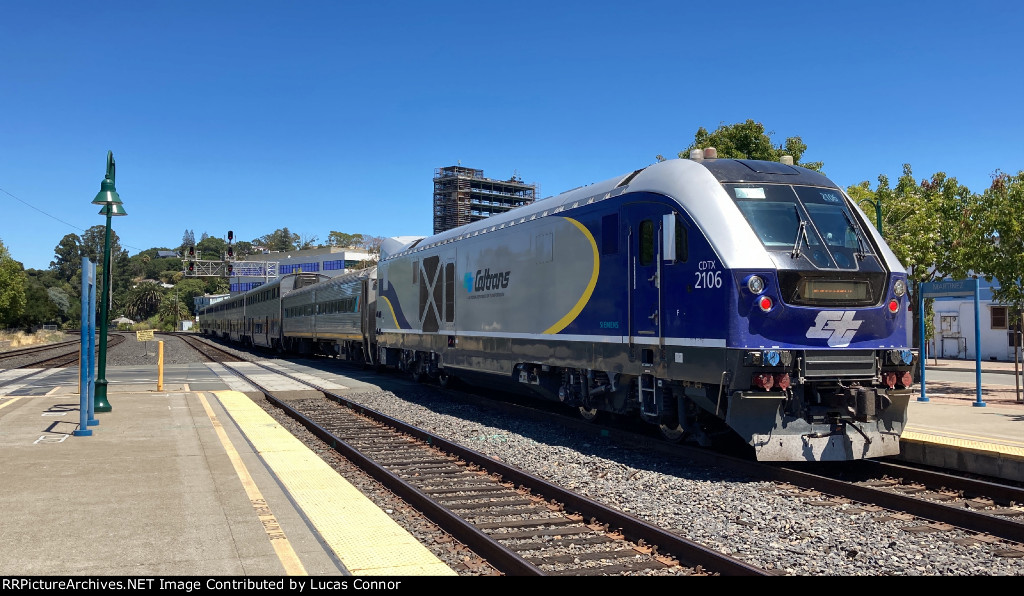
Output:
x=262 y=268
x=954 y=337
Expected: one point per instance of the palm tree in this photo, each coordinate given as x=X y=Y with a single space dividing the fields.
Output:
x=173 y=310
x=143 y=301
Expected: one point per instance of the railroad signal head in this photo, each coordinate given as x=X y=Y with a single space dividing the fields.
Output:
x=231 y=252
x=191 y=251
x=231 y=269
x=231 y=235
x=191 y=267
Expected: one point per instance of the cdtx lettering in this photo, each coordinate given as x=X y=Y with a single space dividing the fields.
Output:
x=485 y=280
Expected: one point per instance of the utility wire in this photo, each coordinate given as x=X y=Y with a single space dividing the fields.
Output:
x=56 y=218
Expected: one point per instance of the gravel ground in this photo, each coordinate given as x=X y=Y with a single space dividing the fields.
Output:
x=750 y=520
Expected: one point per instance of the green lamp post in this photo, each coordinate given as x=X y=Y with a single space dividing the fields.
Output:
x=107 y=196
x=878 y=212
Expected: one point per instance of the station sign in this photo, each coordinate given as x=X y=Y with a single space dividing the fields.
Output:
x=940 y=289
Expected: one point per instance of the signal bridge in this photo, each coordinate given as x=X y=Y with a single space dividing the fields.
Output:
x=265 y=269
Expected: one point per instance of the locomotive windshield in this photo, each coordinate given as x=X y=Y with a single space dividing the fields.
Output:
x=803 y=220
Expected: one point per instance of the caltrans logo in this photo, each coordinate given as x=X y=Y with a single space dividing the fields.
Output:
x=485 y=281
x=837 y=327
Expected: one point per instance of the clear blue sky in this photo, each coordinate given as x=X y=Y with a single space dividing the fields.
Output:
x=332 y=115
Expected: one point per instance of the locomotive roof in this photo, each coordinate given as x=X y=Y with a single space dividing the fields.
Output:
x=695 y=184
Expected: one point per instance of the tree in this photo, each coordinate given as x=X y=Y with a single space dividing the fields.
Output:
x=243 y=249
x=931 y=226
x=67 y=257
x=211 y=248
x=188 y=289
x=281 y=240
x=1002 y=219
x=60 y=299
x=343 y=240
x=747 y=140
x=143 y=301
x=12 y=287
x=92 y=245
x=308 y=242
x=188 y=238
x=216 y=285
x=172 y=310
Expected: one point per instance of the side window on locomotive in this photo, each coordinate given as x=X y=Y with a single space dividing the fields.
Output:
x=674 y=247
x=449 y=292
x=610 y=234
x=646 y=251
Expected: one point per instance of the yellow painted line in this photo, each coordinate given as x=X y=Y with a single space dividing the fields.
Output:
x=585 y=297
x=364 y=537
x=283 y=548
x=12 y=400
x=392 y=309
x=983 y=438
x=52 y=391
x=967 y=444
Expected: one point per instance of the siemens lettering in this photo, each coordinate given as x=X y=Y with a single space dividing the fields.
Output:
x=490 y=281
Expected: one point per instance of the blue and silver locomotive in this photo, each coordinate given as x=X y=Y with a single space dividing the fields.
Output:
x=709 y=297
x=706 y=296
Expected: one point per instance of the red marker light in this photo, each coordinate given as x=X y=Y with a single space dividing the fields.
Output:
x=765 y=303
x=894 y=306
x=782 y=381
x=762 y=380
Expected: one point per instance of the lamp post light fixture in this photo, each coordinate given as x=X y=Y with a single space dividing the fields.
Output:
x=107 y=196
x=878 y=212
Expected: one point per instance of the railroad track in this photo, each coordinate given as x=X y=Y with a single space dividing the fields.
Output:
x=10 y=354
x=928 y=501
x=519 y=523
x=208 y=350
x=66 y=358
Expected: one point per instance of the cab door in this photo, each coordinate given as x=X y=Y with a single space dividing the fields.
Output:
x=643 y=237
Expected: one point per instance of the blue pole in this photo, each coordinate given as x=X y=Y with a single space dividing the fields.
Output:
x=92 y=347
x=924 y=349
x=977 y=343
x=83 y=360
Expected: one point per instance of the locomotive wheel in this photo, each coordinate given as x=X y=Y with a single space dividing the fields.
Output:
x=589 y=414
x=673 y=434
x=418 y=375
x=446 y=379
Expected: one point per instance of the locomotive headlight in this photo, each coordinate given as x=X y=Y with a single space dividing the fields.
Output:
x=899 y=288
x=755 y=283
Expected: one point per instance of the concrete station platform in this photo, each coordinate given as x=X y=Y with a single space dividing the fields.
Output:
x=952 y=430
x=197 y=480
x=194 y=480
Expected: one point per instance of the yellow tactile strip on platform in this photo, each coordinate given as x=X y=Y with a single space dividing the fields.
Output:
x=363 y=537
x=966 y=444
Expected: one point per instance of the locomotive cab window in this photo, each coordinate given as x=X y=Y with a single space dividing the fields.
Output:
x=803 y=220
x=646 y=249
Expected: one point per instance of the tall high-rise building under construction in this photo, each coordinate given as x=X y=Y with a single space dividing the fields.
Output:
x=463 y=195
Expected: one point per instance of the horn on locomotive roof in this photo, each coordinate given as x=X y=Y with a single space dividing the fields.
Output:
x=701 y=154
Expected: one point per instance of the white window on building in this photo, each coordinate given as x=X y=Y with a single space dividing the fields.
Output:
x=998 y=317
